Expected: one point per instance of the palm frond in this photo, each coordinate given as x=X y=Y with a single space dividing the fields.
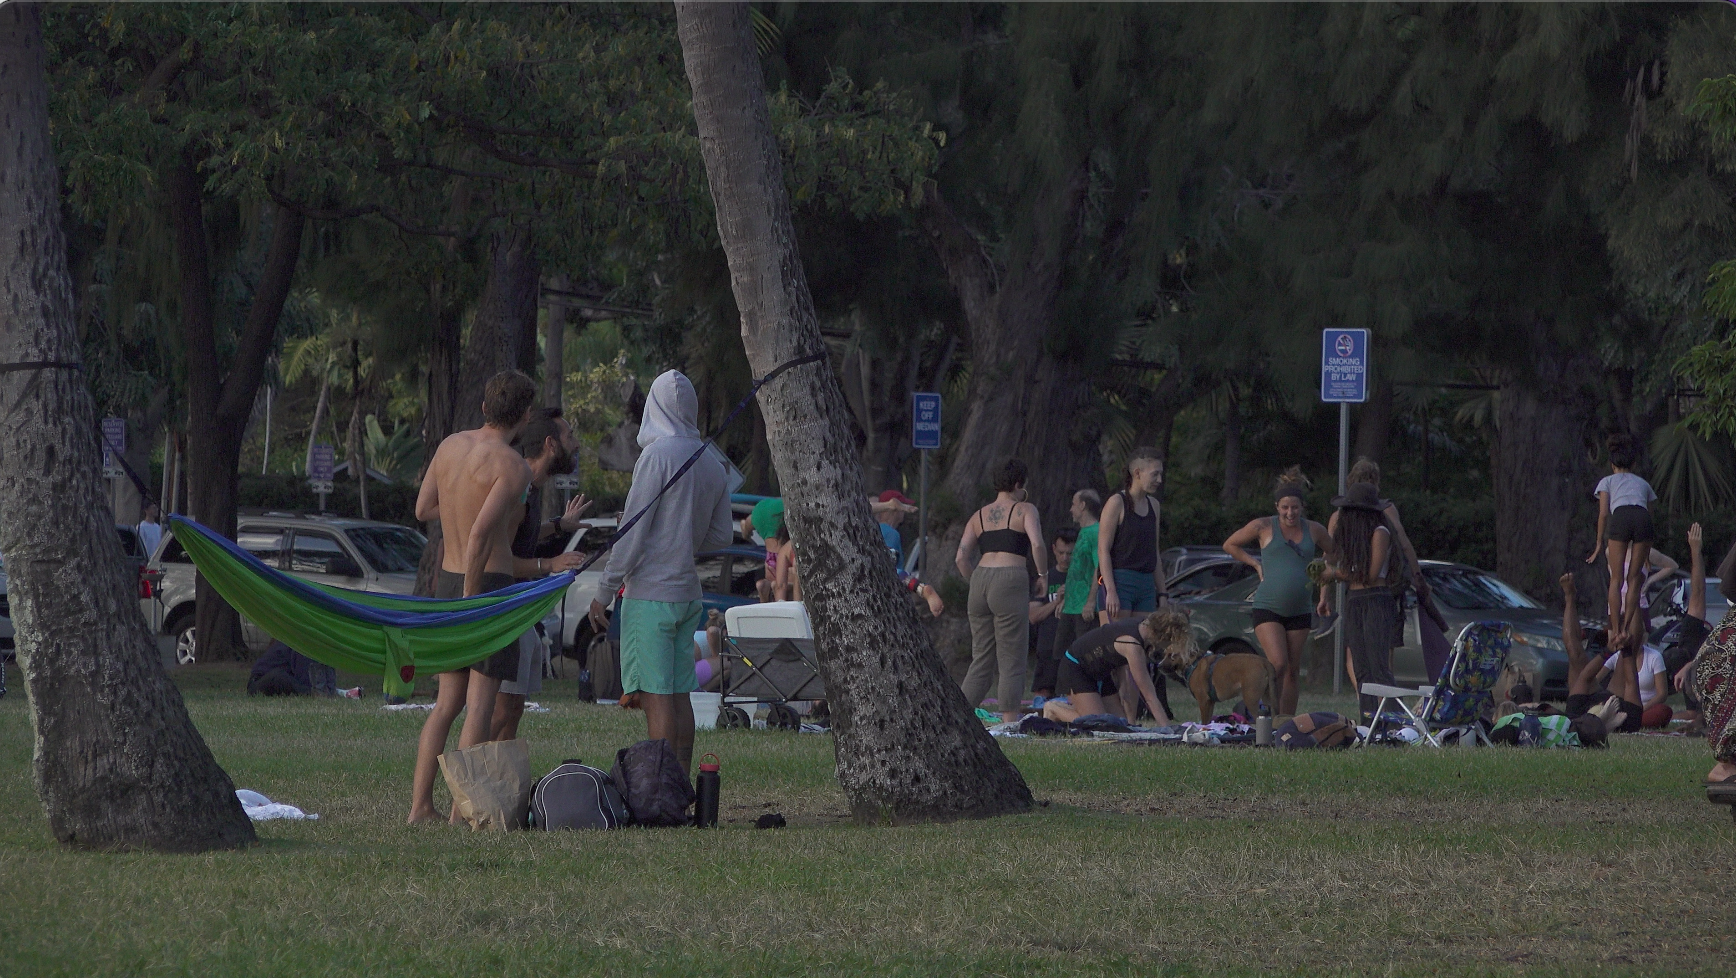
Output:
x=1692 y=473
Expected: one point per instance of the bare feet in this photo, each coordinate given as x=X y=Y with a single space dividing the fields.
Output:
x=418 y=815
x=1721 y=771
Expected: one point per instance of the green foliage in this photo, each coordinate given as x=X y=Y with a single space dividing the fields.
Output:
x=391 y=503
x=1711 y=367
x=398 y=455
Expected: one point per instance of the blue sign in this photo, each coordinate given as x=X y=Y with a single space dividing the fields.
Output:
x=1344 y=366
x=925 y=420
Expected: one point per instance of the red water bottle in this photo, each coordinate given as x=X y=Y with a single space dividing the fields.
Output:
x=709 y=786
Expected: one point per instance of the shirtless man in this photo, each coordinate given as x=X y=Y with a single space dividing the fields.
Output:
x=475 y=487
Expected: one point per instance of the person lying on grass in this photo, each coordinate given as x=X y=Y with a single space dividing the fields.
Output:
x=1085 y=673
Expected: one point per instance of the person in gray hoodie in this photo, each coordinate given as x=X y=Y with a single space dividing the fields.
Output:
x=660 y=609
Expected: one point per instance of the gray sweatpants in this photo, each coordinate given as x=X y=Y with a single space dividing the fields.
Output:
x=1000 y=639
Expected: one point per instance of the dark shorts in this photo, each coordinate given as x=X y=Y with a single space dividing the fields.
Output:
x=1579 y=704
x=1070 y=679
x=1291 y=623
x=502 y=664
x=1631 y=524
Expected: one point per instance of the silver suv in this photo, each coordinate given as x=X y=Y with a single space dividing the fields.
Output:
x=362 y=555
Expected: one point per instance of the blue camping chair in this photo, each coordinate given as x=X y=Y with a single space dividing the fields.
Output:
x=1460 y=695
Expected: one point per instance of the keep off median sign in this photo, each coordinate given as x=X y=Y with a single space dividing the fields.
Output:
x=925 y=421
x=1344 y=366
x=114 y=441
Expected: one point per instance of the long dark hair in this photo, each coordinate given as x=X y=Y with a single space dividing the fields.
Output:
x=1354 y=537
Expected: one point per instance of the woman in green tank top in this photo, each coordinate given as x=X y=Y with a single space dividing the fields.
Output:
x=1283 y=607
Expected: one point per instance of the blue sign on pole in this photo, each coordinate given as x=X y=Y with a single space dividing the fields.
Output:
x=1344 y=366
x=925 y=420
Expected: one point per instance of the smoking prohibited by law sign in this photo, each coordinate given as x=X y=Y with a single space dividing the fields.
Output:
x=1344 y=366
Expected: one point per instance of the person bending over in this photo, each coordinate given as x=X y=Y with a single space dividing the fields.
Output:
x=1086 y=672
x=654 y=562
x=475 y=486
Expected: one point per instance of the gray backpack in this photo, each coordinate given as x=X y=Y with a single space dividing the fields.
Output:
x=574 y=796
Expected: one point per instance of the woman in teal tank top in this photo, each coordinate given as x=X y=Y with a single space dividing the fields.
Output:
x=1283 y=606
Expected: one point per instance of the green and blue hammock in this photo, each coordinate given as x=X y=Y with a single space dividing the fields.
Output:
x=399 y=636
x=396 y=636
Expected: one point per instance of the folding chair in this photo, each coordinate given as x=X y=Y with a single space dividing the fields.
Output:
x=1458 y=698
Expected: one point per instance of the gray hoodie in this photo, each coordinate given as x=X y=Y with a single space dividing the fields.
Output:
x=655 y=558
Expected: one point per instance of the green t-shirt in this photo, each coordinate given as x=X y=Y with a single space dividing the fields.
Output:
x=1082 y=572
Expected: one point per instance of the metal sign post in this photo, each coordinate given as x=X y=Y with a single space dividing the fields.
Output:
x=319 y=472
x=1343 y=381
x=114 y=442
x=925 y=436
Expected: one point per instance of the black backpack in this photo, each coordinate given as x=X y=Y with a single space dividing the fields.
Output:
x=574 y=796
x=650 y=778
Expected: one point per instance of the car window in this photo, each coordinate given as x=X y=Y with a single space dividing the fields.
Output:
x=1467 y=590
x=315 y=553
x=262 y=542
x=711 y=573
x=130 y=544
x=1211 y=577
x=388 y=549
x=744 y=575
x=174 y=553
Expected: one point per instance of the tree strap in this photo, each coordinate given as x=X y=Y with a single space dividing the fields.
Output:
x=739 y=407
x=40 y=365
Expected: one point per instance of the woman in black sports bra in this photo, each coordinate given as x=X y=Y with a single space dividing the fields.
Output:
x=998 y=541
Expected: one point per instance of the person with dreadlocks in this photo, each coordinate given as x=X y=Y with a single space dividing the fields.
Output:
x=1282 y=607
x=1362 y=545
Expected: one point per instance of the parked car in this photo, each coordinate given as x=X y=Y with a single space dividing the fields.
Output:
x=362 y=555
x=1180 y=560
x=1668 y=600
x=1220 y=598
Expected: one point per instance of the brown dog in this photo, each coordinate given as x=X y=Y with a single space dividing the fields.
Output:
x=1212 y=678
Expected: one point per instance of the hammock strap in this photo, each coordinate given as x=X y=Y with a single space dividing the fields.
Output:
x=739 y=407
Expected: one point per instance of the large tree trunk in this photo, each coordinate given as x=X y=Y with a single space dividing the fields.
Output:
x=908 y=747
x=117 y=762
x=1023 y=400
x=221 y=405
x=505 y=321
x=1544 y=521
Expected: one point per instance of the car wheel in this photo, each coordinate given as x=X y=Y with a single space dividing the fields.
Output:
x=186 y=644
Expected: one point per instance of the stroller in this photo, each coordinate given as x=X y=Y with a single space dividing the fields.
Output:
x=768 y=658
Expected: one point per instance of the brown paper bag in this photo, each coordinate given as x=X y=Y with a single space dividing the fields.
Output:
x=490 y=784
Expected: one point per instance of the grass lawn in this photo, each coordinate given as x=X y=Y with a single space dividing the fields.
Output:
x=1143 y=860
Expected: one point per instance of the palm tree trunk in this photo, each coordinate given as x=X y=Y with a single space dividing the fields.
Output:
x=908 y=746
x=117 y=763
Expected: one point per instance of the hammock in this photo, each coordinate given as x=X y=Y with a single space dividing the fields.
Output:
x=397 y=636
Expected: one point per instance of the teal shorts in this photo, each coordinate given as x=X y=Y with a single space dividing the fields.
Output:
x=657 y=646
